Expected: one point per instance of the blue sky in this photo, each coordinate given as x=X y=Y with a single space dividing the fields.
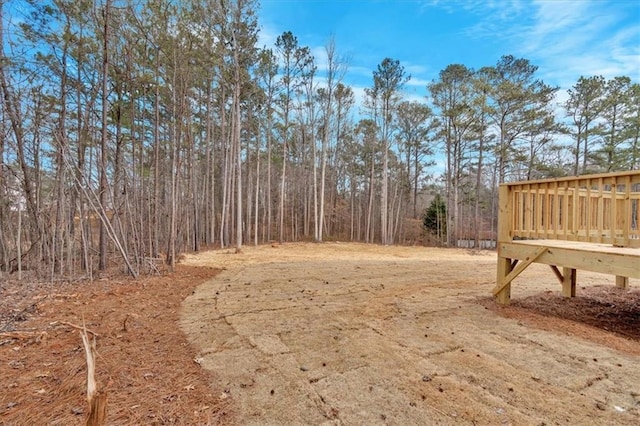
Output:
x=564 y=38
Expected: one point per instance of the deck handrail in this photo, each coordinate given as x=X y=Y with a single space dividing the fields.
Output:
x=625 y=173
x=601 y=208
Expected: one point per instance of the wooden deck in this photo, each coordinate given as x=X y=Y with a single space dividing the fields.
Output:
x=577 y=223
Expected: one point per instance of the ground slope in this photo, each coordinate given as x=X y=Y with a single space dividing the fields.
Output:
x=358 y=334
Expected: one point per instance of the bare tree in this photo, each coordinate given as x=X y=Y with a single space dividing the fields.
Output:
x=295 y=60
x=388 y=80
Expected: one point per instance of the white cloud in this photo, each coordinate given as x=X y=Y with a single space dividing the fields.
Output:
x=501 y=8
x=320 y=58
x=267 y=37
x=418 y=82
x=414 y=96
x=566 y=39
x=414 y=69
x=582 y=39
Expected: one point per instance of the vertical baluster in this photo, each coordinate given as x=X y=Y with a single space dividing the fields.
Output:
x=600 y=211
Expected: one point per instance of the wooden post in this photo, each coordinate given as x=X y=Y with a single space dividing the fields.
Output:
x=516 y=270
x=622 y=282
x=613 y=212
x=505 y=215
x=569 y=282
x=504 y=268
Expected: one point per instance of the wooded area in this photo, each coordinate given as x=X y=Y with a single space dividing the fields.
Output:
x=132 y=131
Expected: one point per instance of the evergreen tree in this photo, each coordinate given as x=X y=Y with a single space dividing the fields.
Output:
x=435 y=218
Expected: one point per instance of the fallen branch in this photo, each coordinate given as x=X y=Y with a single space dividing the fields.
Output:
x=77 y=327
x=24 y=335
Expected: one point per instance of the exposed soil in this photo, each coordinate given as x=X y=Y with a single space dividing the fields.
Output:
x=358 y=334
x=599 y=313
x=325 y=333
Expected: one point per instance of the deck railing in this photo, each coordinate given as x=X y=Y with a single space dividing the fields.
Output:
x=600 y=208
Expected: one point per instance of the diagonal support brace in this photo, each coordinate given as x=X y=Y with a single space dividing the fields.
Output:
x=535 y=254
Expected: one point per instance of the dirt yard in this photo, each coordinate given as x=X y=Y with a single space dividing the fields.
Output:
x=357 y=334
x=330 y=333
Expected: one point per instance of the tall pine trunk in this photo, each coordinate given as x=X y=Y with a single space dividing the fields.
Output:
x=102 y=262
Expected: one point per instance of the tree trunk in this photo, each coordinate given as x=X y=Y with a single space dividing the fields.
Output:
x=282 y=189
x=102 y=262
x=236 y=143
x=477 y=217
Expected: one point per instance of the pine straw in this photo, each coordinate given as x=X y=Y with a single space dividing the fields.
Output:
x=604 y=314
x=144 y=361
